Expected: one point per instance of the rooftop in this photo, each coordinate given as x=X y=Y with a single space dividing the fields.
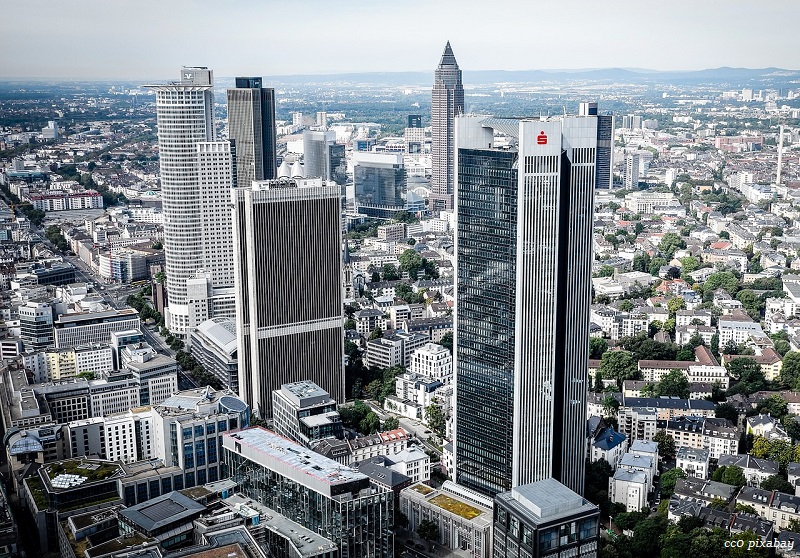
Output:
x=163 y=510
x=546 y=500
x=294 y=455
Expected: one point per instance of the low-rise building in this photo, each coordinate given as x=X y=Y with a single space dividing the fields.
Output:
x=693 y=461
x=755 y=470
x=464 y=517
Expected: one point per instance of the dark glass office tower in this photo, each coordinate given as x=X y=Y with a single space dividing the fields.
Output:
x=380 y=184
x=523 y=261
x=251 y=128
x=447 y=101
x=486 y=246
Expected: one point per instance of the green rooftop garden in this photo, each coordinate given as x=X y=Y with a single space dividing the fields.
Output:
x=37 y=490
x=92 y=470
x=455 y=506
x=422 y=489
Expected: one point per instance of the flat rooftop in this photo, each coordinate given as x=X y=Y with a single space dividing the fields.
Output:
x=546 y=500
x=308 y=543
x=298 y=457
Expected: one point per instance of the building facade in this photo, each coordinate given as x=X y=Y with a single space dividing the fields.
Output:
x=289 y=325
x=523 y=257
x=447 y=102
x=318 y=493
x=251 y=129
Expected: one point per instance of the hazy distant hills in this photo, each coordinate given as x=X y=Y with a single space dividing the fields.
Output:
x=619 y=75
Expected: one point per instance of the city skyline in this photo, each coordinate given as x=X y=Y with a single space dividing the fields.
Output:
x=621 y=35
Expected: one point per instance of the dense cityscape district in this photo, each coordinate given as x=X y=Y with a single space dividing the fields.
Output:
x=489 y=315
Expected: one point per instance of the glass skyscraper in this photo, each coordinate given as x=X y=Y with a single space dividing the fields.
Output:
x=523 y=259
x=251 y=128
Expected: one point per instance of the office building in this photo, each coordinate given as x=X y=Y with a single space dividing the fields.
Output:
x=289 y=304
x=545 y=518
x=187 y=428
x=414 y=135
x=214 y=347
x=380 y=184
x=251 y=129
x=305 y=413
x=631 y=171
x=196 y=176
x=90 y=328
x=36 y=325
x=323 y=157
x=447 y=101
x=318 y=493
x=605 y=145
x=523 y=292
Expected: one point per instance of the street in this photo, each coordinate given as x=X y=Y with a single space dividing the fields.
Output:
x=413 y=427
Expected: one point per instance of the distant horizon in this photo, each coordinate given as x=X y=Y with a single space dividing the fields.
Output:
x=217 y=76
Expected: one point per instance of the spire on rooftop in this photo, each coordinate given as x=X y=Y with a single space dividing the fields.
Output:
x=448 y=58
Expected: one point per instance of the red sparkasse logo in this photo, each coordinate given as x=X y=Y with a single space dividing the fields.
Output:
x=541 y=139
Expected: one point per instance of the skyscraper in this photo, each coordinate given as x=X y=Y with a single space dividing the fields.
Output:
x=380 y=184
x=323 y=157
x=289 y=305
x=523 y=257
x=447 y=101
x=251 y=128
x=194 y=170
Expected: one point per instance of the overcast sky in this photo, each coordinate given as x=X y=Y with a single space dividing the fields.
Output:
x=152 y=39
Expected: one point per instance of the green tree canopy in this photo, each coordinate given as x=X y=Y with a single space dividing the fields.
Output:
x=734 y=476
x=597 y=347
x=619 y=366
x=669 y=479
x=673 y=384
x=666 y=444
x=790 y=370
x=777 y=482
x=670 y=243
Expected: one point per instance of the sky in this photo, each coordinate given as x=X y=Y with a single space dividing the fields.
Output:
x=152 y=39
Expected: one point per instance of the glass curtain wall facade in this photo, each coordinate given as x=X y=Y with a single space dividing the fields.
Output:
x=251 y=128
x=354 y=516
x=486 y=244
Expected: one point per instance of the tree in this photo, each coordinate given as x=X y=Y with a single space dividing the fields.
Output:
x=610 y=405
x=675 y=304
x=428 y=530
x=794 y=525
x=761 y=447
x=774 y=405
x=390 y=272
x=411 y=262
x=436 y=419
x=689 y=264
x=670 y=243
x=349 y=323
x=377 y=333
x=777 y=482
x=619 y=366
x=647 y=534
x=721 y=280
x=390 y=423
x=749 y=375
x=717 y=475
x=734 y=476
x=674 y=384
x=641 y=262
x=790 y=370
x=668 y=481
x=157 y=245
x=727 y=411
x=597 y=347
x=750 y=546
x=447 y=341
x=666 y=444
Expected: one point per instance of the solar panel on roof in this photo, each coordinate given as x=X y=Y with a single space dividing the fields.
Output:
x=162 y=510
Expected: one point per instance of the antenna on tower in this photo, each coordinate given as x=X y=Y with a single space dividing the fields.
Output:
x=780 y=157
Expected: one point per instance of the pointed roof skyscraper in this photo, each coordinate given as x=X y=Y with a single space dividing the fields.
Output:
x=447 y=101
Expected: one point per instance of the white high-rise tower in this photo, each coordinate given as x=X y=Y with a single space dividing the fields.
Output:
x=196 y=178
